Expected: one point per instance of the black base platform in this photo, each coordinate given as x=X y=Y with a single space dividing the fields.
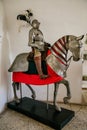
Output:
x=38 y=111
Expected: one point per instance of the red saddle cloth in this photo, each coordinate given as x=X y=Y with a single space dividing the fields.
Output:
x=35 y=79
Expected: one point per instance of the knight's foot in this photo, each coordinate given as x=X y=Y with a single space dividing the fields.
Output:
x=57 y=108
x=44 y=76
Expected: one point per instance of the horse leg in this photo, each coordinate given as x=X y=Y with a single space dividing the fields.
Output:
x=15 y=86
x=66 y=83
x=65 y=99
x=56 y=86
x=33 y=92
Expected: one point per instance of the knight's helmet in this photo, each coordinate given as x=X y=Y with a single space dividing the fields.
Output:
x=35 y=23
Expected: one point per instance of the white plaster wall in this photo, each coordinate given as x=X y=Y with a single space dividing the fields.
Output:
x=58 y=18
x=4 y=60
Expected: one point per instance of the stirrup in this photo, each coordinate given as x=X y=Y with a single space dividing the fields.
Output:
x=44 y=76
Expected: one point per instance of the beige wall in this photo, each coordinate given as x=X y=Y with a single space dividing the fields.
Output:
x=4 y=60
x=58 y=18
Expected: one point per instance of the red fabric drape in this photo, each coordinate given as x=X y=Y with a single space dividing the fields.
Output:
x=35 y=79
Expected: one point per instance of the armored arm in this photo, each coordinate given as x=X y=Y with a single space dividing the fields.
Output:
x=31 y=38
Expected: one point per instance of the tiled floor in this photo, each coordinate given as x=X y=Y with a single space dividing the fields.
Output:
x=11 y=120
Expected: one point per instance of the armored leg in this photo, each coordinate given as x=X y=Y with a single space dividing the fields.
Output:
x=39 y=67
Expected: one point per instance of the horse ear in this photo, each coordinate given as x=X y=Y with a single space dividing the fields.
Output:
x=80 y=37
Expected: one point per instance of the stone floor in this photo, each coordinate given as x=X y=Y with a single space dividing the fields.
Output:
x=11 y=120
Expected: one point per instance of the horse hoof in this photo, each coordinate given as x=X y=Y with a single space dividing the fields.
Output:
x=33 y=96
x=17 y=101
x=65 y=99
x=58 y=108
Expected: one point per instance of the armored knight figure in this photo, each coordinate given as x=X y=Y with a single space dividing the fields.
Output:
x=36 y=41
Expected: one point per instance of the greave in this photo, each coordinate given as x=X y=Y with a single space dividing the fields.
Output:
x=39 y=68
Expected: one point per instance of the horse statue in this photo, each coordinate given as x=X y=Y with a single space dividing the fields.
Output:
x=55 y=65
